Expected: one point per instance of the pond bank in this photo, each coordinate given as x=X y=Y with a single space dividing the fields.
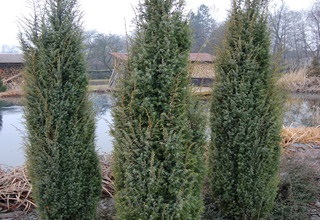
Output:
x=310 y=85
x=16 y=200
x=11 y=93
x=296 y=82
x=16 y=192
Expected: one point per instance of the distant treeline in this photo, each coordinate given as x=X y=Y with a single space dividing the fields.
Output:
x=295 y=37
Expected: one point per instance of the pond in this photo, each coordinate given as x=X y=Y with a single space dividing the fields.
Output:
x=301 y=110
x=12 y=129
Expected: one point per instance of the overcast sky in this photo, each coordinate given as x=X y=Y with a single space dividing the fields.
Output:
x=108 y=16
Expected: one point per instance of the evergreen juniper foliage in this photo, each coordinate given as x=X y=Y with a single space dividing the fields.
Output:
x=158 y=130
x=61 y=158
x=245 y=117
x=2 y=87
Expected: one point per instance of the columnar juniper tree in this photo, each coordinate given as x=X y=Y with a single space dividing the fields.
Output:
x=246 y=117
x=158 y=147
x=2 y=86
x=61 y=157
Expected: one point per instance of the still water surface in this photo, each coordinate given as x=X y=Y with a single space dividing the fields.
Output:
x=301 y=110
x=12 y=129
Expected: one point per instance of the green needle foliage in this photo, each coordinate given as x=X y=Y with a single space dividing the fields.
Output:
x=158 y=131
x=246 y=117
x=61 y=157
x=2 y=87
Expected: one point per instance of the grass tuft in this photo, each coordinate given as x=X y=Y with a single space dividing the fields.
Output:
x=302 y=135
x=294 y=80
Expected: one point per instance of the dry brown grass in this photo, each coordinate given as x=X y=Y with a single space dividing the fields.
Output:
x=294 y=80
x=298 y=81
x=107 y=178
x=11 y=93
x=303 y=135
x=16 y=190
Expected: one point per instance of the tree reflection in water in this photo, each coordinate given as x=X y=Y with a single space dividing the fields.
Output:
x=101 y=103
x=1 y=118
x=303 y=110
x=0 y=121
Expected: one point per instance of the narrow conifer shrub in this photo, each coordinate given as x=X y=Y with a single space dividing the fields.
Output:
x=3 y=88
x=245 y=117
x=61 y=158
x=158 y=130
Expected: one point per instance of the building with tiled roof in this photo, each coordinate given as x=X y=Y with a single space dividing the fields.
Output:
x=201 y=68
x=11 y=66
x=11 y=58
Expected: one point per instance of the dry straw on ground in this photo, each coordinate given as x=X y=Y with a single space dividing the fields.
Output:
x=15 y=190
x=302 y=135
x=15 y=187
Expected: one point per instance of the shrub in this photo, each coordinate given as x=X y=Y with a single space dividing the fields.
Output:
x=245 y=117
x=158 y=131
x=3 y=88
x=61 y=157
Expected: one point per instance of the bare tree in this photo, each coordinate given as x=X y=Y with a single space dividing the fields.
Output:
x=98 y=49
x=279 y=27
x=314 y=29
x=291 y=36
x=314 y=38
x=9 y=49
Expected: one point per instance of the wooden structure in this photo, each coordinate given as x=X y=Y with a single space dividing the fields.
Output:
x=201 y=68
x=11 y=66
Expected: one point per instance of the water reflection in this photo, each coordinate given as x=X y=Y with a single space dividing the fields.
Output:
x=0 y=121
x=5 y=105
x=12 y=136
x=101 y=103
x=301 y=110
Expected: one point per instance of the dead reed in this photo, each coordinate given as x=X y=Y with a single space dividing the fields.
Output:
x=294 y=80
x=107 y=178
x=11 y=93
x=302 y=135
x=16 y=190
x=299 y=81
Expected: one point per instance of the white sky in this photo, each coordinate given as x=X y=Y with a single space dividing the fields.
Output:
x=108 y=16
